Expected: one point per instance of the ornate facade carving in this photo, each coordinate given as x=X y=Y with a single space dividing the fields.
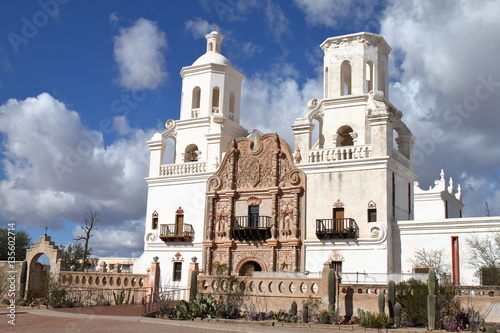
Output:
x=265 y=255
x=254 y=201
x=286 y=216
x=262 y=173
x=335 y=256
x=178 y=257
x=220 y=256
x=285 y=261
x=338 y=204
x=222 y=219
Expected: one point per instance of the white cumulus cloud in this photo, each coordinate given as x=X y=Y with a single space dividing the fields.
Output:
x=56 y=169
x=445 y=64
x=271 y=101
x=138 y=52
x=331 y=13
x=198 y=27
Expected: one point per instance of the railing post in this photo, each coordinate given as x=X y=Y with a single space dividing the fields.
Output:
x=154 y=277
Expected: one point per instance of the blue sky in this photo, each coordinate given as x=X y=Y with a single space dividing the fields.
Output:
x=84 y=85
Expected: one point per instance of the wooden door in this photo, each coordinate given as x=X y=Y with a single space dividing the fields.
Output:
x=338 y=217
x=179 y=225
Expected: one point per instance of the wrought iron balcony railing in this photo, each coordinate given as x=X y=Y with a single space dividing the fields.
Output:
x=176 y=232
x=336 y=228
x=245 y=228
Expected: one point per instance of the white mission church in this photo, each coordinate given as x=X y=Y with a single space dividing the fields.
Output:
x=257 y=203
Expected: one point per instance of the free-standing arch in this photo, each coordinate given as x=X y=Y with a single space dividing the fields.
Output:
x=43 y=246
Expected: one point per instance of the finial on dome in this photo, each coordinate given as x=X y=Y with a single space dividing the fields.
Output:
x=215 y=27
x=214 y=41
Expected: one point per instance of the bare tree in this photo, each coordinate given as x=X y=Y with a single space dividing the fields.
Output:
x=91 y=220
x=484 y=251
x=484 y=255
x=431 y=259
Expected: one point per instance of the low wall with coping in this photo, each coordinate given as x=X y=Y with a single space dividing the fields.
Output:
x=104 y=280
x=275 y=292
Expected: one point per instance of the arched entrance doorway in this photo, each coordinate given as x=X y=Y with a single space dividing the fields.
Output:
x=52 y=265
x=39 y=273
x=249 y=267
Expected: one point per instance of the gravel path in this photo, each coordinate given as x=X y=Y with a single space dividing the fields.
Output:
x=41 y=320
x=124 y=319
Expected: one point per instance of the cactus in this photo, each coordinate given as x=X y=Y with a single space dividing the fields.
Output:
x=332 y=290
x=397 y=315
x=391 y=297
x=305 y=313
x=22 y=286
x=128 y=297
x=431 y=300
x=381 y=303
x=293 y=310
x=193 y=286
x=121 y=298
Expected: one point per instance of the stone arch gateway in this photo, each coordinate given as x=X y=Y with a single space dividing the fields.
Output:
x=43 y=246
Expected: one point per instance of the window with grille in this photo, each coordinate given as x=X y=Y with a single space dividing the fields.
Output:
x=177 y=271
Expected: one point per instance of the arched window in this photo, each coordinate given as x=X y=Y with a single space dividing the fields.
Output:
x=344 y=137
x=154 y=221
x=191 y=153
x=169 y=152
x=395 y=136
x=195 y=105
x=318 y=139
x=326 y=78
x=345 y=77
x=210 y=46
x=369 y=76
x=231 y=105
x=215 y=100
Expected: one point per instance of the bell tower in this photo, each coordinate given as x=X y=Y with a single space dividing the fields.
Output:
x=355 y=64
x=356 y=150
x=210 y=107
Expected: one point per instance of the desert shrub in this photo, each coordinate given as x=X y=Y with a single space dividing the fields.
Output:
x=412 y=295
x=200 y=307
x=374 y=320
x=284 y=316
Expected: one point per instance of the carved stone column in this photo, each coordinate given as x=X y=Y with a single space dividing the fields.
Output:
x=211 y=215
x=231 y=195
x=207 y=269
x=294 y=259
x=274 y=216
x=296 y=227
x=276 y=176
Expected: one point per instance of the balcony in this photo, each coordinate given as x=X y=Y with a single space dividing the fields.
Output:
x=176 y=233
x=339 y=153
x=336 y=228
x=249 y=228
x=182 y=168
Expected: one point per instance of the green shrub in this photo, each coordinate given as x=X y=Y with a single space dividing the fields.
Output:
x=199 y=307
x=412 y=295
x=375 y=320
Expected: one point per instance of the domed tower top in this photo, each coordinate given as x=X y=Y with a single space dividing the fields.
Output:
x=213 y=54
x=355 y=64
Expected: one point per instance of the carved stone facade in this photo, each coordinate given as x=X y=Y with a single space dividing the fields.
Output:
x=254 y=206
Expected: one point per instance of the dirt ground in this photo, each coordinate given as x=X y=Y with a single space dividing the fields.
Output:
x=123 y=319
